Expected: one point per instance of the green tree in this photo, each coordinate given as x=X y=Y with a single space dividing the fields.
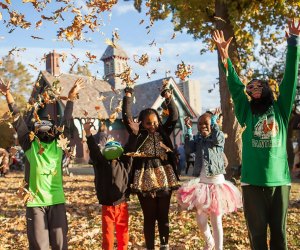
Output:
x=6 y=132
x=251 y=23
x=21 y=87
x=20 y=78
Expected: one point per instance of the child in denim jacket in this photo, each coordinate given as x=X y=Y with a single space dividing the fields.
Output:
x=209 y=194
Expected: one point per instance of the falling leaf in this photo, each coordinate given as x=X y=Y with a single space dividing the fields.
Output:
x=38 y=24
x=31 y=136
x=17 y=19
x=85 y=113
x=110 y=43
x=41 y=150
x=32 y=66
x=160 y=51
x=90 y=56
x=126 y=78
x=63 y=142
x=36 y=37
x=143 y=60
x=173 y=36
x=153 y=43
x=183 y=71
x=63 y=56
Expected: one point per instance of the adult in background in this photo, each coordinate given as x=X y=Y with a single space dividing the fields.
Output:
x=181 y=165
x=190 y=160
x=265 y=177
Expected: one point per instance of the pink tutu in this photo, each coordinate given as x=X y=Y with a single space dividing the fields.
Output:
x=209 y=198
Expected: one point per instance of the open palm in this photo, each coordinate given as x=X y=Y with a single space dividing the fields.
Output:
x=221 y=43
x=135 y=126
x=293 y=28
x=4 y=87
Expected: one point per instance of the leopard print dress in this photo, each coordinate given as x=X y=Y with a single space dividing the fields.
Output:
x=155 y=174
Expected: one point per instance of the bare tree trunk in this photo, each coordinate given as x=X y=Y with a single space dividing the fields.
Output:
x=233 y=145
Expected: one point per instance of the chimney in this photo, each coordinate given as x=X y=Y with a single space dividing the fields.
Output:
x=52 y=63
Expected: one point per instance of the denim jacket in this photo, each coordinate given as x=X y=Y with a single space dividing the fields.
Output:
x=208 y=151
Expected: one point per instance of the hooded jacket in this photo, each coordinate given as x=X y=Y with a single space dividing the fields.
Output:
x=111 y=176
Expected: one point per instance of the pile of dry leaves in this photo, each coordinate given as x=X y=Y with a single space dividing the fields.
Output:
x=84 y=219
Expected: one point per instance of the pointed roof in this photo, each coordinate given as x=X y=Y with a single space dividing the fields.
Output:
x=147 y=95
x=114 y=51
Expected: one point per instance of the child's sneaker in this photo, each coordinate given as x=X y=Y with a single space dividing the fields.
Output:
x=164 y=247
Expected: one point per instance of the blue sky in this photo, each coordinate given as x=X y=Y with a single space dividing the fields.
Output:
x=133 y=38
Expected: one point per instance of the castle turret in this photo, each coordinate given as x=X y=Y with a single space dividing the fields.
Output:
x=115 y=61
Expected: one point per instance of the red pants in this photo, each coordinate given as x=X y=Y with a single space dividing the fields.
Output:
x=115 y=216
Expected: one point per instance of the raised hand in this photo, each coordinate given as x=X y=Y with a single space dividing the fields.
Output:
x=87 y=127
x=222 y=44
x=4 y=87
x=135 y=126
x=188 y=122
x=217 y=111
x=74 y=91
x=293 y=29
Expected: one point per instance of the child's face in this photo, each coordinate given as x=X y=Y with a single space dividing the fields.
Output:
x=254 y=89
x=204 y=127
x=150 y=123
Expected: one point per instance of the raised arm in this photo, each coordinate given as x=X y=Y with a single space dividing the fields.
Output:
x=236 y=87
x=173 y=114
x=189 y=142
x=126 y=108
x=287 y=88
x=19 y=123
x=72 y=96
x=95 y=152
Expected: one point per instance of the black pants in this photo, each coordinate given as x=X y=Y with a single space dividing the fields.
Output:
x=155 y=209
x=263 y=207
x=47 y=226
x=188 y=163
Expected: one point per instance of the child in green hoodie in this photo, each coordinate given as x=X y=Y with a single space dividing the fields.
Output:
x=265 y=172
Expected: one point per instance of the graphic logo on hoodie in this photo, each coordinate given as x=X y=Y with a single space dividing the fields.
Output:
x=266 y=129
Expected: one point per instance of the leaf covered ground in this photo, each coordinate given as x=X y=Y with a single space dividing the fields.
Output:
x=84 y=217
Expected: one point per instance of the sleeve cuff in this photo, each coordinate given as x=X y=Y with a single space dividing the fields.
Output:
x=293 y=40
x=189 y=131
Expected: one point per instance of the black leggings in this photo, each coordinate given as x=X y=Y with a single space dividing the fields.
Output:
x=188 y=163
x=156 y=208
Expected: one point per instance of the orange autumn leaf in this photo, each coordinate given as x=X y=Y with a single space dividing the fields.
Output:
x=183 y=71
x=31 y=135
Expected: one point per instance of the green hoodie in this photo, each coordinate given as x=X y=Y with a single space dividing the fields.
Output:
x=264 y=157
x=45 y=183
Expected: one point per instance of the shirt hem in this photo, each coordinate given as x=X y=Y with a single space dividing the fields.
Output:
x=45 y=204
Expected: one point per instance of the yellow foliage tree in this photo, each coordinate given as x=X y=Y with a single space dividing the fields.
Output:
x=248 y=21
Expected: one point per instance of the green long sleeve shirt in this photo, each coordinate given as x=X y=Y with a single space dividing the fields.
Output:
x=264 y=156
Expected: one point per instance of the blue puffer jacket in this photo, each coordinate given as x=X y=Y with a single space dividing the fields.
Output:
x=208 y=150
